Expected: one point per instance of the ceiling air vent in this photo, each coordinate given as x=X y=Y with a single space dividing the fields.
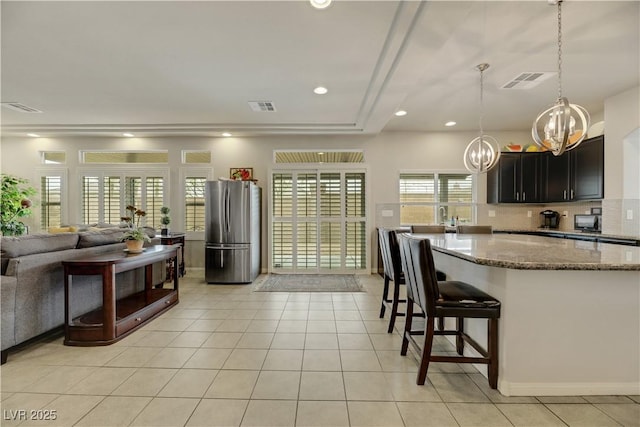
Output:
x=262 y=106
x=21 y=108
x=527 y=80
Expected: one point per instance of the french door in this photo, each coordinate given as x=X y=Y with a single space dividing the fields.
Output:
x=318 y=222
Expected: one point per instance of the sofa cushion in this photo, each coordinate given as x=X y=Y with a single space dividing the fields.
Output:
x=15 y=246
x=99 y=238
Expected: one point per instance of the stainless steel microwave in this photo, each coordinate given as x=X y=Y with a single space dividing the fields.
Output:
x=587 y=222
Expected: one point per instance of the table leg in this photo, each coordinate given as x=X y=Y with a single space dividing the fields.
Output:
x=109 y=303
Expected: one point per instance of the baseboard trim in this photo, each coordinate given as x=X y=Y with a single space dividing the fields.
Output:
x=568 y=389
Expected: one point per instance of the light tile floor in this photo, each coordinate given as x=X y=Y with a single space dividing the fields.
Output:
x=227 y=356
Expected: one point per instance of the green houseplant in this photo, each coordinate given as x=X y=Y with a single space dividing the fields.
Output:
x=14 y=204
x=135 y=235
x=165 y=220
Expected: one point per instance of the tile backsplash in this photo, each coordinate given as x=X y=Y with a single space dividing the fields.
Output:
x=507 y=216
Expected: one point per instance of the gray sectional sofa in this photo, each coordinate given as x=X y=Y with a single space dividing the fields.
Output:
x=32 y=281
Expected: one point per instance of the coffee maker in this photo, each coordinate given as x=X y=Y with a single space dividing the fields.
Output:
x=550 y=219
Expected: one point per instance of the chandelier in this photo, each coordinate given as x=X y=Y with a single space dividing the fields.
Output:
x=483 y=152
x=562 y=126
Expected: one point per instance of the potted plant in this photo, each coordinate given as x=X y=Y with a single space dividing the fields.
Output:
x=135 y=235
x=14 y=204
x=165 y=220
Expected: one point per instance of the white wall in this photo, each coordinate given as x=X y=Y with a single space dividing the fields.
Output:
x=621 y=206
x=385 y=154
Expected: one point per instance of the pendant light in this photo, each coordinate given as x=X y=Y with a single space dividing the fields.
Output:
x=564 y=125
x=483 y=152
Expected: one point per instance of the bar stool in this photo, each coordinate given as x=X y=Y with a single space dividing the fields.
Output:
x=474 y=229
x=388 y=241
x=445 y=299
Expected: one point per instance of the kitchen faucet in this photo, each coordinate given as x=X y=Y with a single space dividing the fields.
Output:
x=443 y=214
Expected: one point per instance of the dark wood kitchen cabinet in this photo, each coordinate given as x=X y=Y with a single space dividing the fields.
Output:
x=516 y=179
x=575 y=175
x=542 y=177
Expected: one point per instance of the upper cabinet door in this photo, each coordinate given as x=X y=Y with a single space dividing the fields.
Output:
x=530 y=178
x=556 y=178
x=509 y=174
x=587 y=170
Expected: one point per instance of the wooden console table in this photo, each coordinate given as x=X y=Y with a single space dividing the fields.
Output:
x=117 y=318
x=172 y=239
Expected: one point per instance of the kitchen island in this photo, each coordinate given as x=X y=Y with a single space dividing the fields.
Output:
x=570 y=320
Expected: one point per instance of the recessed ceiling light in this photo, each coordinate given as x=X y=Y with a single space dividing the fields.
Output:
x=321 y=154
x=320 y=4
x=401 y=113
x=226 y=134
x=33 y=135
x=128 y=135
x=320 y=90
x=451 y=123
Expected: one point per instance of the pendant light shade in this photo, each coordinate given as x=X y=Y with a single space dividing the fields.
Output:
x=483 y=152
x=561 y=126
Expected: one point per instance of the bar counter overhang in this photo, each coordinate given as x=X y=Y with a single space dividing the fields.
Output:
x=570 y=322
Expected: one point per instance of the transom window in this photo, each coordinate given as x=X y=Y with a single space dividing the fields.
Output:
x=126 y=157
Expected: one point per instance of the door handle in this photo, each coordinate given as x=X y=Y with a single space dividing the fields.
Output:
x=564 y=195
x=227 y=210
x=572 y=194
x=517 y=196
x=524 y=196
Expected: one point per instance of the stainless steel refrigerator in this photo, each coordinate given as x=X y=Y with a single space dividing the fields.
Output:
x=232 y=231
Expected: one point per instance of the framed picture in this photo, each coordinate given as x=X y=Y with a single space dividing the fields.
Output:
x=241 y=174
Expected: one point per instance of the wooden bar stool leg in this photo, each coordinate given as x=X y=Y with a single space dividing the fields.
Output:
x=394 y=306
x=408 y=321
x=385 y=292
x=441 y=323
x=426 y=351
x=459 y=333
x=493 y=353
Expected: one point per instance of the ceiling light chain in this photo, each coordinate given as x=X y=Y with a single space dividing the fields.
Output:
x=483 y=152
x=559 y=49
x=564 y=125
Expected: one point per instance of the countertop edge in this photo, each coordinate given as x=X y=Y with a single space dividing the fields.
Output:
x=522 y=265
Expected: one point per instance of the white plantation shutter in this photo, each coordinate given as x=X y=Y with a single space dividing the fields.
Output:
x=105 y=197
x=51 y=201
x=154 y=200
x=318 y=221
x=282 y=227
x=355 y=227
x=90 y=199
x=112 y=194
x=194 y=203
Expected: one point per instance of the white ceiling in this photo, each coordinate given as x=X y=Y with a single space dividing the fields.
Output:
x=180 y=67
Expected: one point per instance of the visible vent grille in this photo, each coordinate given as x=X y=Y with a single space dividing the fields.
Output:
x=527 y=80
x=16 y=106
x=260 y=106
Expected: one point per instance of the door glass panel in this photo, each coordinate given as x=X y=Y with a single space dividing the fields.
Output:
x=282 y=246
x=306 y=248
x=330 y=245
x=330 y=195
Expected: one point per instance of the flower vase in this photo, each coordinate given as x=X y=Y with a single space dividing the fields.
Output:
x=134 y=246
x=164 y=231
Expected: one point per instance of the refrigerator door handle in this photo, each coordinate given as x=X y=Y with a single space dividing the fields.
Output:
x=228 y=210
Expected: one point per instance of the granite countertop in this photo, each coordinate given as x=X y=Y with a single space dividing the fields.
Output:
x=527 y=252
